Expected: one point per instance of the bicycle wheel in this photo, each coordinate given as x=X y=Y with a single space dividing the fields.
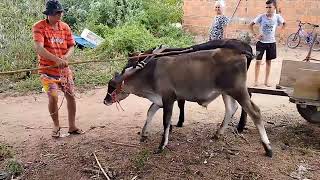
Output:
x=316 y=45
x=293 y=40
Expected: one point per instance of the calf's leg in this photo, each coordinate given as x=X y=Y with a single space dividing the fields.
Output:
x=151 y=112
x=167 y=113
x=181 y=104
x=243 y=98
x=243 y=120
x=230 y=108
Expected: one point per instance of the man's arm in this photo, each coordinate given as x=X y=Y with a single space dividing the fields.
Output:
x=38 y=38
x=46 y=54
x=255 y=35
x=251 y=28
x=281 y=21
x=257 y=20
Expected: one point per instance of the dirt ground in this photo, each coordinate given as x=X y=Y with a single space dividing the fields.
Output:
x=192 y=153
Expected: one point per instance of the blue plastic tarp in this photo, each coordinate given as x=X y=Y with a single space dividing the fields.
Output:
x=82 y=42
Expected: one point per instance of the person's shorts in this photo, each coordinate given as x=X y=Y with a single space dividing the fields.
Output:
x=51 y=84
x=270 y=48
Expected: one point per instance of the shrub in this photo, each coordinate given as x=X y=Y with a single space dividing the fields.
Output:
x=113 y=12
x=5 y=152
x=15 y=33
x=126 y=26
x=14 y=167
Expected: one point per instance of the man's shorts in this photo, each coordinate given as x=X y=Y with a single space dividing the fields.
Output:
x=51 y=84
x=270 y=48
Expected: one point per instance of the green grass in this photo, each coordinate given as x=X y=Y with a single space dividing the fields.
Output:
x=141 y=158
x=14 y=167
x=5 y=152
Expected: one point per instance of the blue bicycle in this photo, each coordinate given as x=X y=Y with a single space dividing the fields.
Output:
x=294 y=39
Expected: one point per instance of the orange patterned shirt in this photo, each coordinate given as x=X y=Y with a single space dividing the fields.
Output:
x=56 y=41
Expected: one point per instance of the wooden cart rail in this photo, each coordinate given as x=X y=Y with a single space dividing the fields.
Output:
x=276 y=92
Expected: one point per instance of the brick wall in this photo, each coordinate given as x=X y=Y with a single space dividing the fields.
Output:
x=198 y=14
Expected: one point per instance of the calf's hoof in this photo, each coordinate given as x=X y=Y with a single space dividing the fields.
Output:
x=170 y=130
x=179 y=125
x=217 y=136
x=268 y=150
x=143 y=138
x=269 y=153
x=158 y=151
x=240 y=128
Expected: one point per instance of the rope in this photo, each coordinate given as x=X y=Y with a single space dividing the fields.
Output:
x=120 y=107
x=162 y=54
x=58 y=108
x=94 y=61
x=235 y=10
x=54 y=66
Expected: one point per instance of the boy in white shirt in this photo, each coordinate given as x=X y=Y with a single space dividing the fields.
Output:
x=268 y=23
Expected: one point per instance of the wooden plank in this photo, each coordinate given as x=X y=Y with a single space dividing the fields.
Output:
x=307 y=85
x=289 y=71
x=275 y=92
x=305 y=101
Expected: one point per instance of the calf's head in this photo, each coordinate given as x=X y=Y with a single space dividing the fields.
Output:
x=116 y=86
x=115 y=92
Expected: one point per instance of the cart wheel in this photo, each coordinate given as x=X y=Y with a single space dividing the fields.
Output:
x=309 y=113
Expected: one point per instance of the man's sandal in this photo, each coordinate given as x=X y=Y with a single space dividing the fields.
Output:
x=56 y=134
x=76 y=132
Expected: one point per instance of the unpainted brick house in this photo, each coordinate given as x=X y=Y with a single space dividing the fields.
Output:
x=198 y=15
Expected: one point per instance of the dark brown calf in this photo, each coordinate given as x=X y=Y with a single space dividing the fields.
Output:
x=199 y=76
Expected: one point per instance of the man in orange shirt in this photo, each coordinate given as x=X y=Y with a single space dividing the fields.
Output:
x=54 y=45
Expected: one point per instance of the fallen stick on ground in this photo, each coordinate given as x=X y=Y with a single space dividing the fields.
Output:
x=27 y=127
x=104 y=173
x=280 y=125
x=269 y=122
x=232 y=151
x=94 y=127
x=245 y=139
x=243 y=150
x=235 y=131
x=62 y=127
x=46 y=155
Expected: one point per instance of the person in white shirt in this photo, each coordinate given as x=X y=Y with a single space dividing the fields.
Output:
x=268 y=23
